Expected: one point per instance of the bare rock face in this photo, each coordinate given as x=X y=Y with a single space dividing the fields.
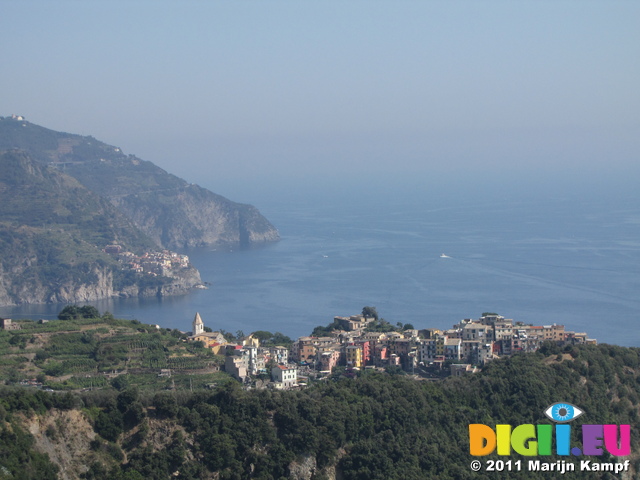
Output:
x=305 y=467
x=181 y=282
x=73 y=290
x=64 y=435
x=191 y=216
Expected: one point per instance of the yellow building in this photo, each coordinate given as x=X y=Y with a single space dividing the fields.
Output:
x=353 y=356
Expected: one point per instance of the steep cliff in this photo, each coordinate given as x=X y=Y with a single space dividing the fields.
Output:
x=174 y=213
x=191 y=216
x=68 y=438
x=64 y=197
x=52 y=234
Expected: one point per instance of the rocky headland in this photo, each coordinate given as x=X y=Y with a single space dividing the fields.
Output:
x=65 y=197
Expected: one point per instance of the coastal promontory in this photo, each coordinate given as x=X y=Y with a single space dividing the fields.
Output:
x=80 y=220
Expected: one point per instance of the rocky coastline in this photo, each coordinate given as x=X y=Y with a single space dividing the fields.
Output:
x=65 y=196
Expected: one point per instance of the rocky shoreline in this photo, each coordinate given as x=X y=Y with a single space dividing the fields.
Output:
x=181 y=283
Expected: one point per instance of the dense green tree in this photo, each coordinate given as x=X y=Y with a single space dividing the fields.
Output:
x=121 y=382
x=126 y=398
x=321 y=331
x=380 y=325
x=280 y=338
x=370 y=312
x=371 y=426
x=18 y=457
x=229 y=337
x=272 y=339
x=109 y=425
x=71 y=312
x=129 y=405
x=262 y=335
x=166 y=405
x=89 y=311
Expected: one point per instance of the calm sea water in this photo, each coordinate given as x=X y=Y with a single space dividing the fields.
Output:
x=572 y=261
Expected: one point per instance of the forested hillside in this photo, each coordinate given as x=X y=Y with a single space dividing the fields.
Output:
x=375 y=426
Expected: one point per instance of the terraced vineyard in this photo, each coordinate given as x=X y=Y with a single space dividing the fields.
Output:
x=95 y=353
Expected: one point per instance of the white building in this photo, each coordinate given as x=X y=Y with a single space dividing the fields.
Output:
x=286 y=376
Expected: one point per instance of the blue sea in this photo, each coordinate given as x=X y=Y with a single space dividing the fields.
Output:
x=571 y=259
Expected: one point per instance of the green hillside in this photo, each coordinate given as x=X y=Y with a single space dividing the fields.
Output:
x=78 y=353
x=52 y=232
x=172 y=212
x=41 y=197
x=65 y=197
x=374 y=426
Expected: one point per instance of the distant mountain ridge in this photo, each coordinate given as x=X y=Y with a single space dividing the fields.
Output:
x=64 y=198
x=174 y=213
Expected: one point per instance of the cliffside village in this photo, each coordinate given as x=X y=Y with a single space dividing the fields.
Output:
x=464 y=348
x=151 y=263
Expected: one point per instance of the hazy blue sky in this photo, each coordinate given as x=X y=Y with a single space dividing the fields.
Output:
x=238 y=93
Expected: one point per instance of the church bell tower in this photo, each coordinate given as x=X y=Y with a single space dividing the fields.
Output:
x=198 y=325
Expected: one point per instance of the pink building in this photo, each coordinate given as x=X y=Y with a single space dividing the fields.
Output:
x=329 y=360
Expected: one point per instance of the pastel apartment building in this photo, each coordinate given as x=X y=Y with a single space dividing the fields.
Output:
x=476 y=341
x=329 y=360
x=472 y=342
x=353 y=356
x=284 y=376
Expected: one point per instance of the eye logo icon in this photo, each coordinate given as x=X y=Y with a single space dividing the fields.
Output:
x=562 y=412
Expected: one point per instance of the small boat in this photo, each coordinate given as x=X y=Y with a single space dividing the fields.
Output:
x=444 y=256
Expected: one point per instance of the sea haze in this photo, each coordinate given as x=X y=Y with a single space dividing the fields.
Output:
x=566 y=259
